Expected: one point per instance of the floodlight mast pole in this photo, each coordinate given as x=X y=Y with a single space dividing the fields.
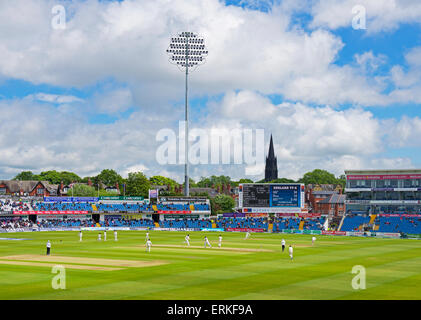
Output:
x=185 y=56
x=186 y=165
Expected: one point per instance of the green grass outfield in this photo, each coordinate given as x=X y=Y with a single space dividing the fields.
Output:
x=393 y=267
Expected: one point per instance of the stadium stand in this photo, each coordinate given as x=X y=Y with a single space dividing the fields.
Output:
x=201 y=207
x=411 y=225
x=182 y=206
x=186 y=223
x=63 y=206
x=12 y=205
x=353 y=222
x=290 y=223
x=225 y=222
x=68 y=223
x=111 y=222
x=285 y=223
x=124 y=207
x=172 y=206
x=15 y=223
x=314 y=223
x=7 y=204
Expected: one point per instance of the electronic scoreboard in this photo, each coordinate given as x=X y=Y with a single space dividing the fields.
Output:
x=274 y=197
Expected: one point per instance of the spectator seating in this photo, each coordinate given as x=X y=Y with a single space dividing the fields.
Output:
x=63 y=206
x=182 y=206
x=286 y=223
x=410 y=225
x=314 y=223
x=201 y=207
x=128 y=223
x=68 y=223
x=353 y=222
x=14 y=223
x=7 y=205
x=124 y=207
x=258 y=223
x=173 y=206
x=185 y=223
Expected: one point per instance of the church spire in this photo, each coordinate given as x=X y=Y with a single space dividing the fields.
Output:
x=271 y=153
x=271 y=168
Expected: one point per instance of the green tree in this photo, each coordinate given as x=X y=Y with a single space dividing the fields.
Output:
x=282 y=180
x=162 y=181
x=222 y=204
x=137 y=184
x=242 y=180
x=56 y=177
x=214 y=181
x=318 y=176
x=204 y=183
x=86 y=179
x=342 y=180
x=52 y=176
x=104 y=193
x=109 y=177
x=192 y=183
x=245 y=181
x=69 y=177
x=25 y=176
x=82 y=190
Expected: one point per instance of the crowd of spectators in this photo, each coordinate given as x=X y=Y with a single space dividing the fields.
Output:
x=314 y=223
x=285 y=223
x=124 y=207
x=128 y=223
x=63 y=206
x=186 y=223
x=8 y=205
x=15 y=223
x=411 y=225
x=67 y=223
x=258 y=223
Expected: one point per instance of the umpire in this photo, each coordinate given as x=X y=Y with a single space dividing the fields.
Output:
x=48 y=247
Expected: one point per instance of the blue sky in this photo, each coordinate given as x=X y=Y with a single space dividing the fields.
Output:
x=371 y=74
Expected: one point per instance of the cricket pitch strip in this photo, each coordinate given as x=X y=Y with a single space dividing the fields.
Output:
x=77 y=262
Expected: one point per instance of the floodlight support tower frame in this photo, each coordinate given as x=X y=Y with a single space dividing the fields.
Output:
x=181 y=56
x=186 y=154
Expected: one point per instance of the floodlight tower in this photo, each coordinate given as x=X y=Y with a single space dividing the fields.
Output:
x=187 y=51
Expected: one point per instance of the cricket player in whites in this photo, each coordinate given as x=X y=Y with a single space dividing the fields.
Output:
x=105 y=235
x=48 y=247
x=291 y=252
x=147 y=235
x=220 y=241
x=187 y=240
x=99 y=236
x=148 y=245
x=207 y=242
x=115 y=235
x=80 y=235
x=283 y=244
x=313 y=240
x=247 y=235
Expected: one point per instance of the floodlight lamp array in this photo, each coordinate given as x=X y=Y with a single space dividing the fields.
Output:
x=187 y=50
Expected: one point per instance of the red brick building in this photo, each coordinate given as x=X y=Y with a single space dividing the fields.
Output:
x=318 y=192
x=334 y=205
x=28 y=188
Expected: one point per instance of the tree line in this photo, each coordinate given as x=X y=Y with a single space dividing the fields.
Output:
x=138 y=184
